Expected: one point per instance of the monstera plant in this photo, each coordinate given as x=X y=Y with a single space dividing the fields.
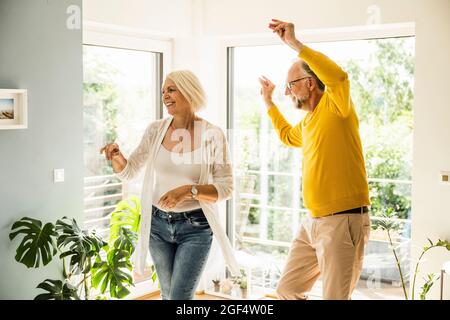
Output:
x=88 y=261
x=127 y=216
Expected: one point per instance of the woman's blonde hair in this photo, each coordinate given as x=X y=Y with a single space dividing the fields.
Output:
x=190 y=87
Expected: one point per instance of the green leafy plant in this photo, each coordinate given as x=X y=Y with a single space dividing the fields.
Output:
x=88 y=261
x=37 y=245
x=127 y=218
x=241 y=280
x=113 y=272
x=81 y=246
x=429 y=281
x=388 y=224
x=243 y=283
x=57 y=290
x=126 y=215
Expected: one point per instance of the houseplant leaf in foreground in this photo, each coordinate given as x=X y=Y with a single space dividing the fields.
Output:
x=127 y=214
x=113 y=273
x=37 y=244
x=126 y=241
x=78 y=244
x=57 y=290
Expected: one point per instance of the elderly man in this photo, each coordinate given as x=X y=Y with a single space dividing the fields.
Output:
x=331 y=240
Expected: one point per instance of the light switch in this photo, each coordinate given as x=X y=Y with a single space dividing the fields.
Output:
x=58 y=175
x=445 y=177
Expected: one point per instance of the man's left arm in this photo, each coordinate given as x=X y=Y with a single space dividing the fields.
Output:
x=333 y=76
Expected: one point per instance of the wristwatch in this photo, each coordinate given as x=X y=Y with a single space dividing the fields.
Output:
x=194 y=192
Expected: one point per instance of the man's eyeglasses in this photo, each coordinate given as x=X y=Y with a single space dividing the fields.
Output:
x=290 y=83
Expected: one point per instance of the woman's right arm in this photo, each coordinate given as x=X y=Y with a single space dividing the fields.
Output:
x=127 y=169
x=113 y=154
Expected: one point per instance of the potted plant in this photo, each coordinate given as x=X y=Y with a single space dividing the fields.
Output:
x=88 y=261
x=243 y=287
x=242 y=282
x=216 y=283
x=227 y=286
x=86 y=268
x=127 y=214
x=388 y=224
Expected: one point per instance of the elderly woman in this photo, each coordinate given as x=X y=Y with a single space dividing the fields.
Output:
x=187 y=172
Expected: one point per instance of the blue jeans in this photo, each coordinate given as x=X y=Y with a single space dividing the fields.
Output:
x=179 y=245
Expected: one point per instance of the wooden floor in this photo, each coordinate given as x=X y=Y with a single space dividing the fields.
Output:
x=362 y=292
x=198 y=296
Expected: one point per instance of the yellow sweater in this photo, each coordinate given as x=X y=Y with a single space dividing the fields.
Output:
x=334 y=177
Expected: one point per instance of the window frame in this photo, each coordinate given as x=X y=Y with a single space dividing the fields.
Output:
x=228 y=43
x=113 y=36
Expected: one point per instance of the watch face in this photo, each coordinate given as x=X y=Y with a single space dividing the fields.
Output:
x=194 y=190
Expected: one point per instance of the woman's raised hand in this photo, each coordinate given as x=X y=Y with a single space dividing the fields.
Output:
x=113 y=154
x=111 y=150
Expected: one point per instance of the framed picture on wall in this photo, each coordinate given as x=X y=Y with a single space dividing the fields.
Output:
x=13 y=109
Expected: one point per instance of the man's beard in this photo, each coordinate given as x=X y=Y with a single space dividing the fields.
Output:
x=299 y=103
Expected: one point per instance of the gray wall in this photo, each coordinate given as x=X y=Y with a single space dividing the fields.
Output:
x=39 y=53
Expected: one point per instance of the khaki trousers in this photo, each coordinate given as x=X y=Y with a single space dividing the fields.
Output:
x=331 y=247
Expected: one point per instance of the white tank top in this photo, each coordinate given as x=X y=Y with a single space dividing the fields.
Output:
x=172 y=170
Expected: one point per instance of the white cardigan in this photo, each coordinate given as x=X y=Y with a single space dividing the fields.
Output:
x=216 y=169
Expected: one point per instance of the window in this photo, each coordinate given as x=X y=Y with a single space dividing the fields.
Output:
x=121 y=97
x=268 y=207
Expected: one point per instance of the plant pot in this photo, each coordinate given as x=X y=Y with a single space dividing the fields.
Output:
x=227 y=286
x=244 y=293
x=217 y=287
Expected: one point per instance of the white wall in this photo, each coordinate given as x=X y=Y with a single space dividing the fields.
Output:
x=252 y=16
x=430 y=200
x=47 y=61
x=171 y=17
x=198 y=29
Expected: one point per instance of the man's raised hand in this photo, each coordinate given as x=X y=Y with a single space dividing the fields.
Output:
x=267 y=88
x=286 y=32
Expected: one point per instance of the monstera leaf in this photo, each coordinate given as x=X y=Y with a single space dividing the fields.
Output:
x=37 y=244
x=77 y=244
x=57 y=290
x=126 y=215
x=113 y=273
x=126 y=241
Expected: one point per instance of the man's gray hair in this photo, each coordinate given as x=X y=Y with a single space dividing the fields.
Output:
x=308 y=70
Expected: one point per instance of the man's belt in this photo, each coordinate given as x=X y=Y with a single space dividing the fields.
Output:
x=359 y=210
